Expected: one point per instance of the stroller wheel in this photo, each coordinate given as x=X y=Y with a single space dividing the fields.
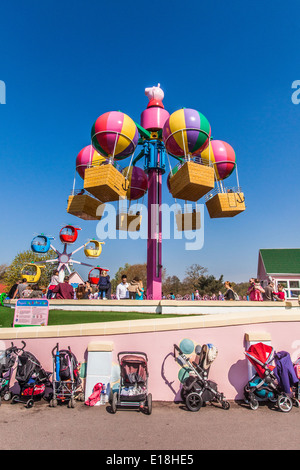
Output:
x=253 y=403
x=149 y=403
x=15 y=399
x=53 y=403
x=7 y=396
x=225 y=405
x=284 y=403
x=194 y=401
x=114 y=402
x=80 y=397
x=71 y=403
x=29 y=404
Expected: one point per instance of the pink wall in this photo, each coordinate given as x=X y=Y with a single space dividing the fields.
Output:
x=229 y=369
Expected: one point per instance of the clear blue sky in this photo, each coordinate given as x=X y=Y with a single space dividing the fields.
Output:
x=66 y=63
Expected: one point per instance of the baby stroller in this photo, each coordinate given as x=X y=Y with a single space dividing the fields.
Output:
x=31 y=377
x=67 y=384
x=197 y=390
x=133 y=390
x=271 y=382
x=7 y=362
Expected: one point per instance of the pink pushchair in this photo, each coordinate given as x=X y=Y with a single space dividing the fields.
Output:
x=133 y=390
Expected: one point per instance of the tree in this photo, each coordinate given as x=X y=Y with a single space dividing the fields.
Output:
x=210 y=285
x=172 y=284
x=190 y=282
x=240 y=288
x=3 y=268
x=131 y=271
x=13 y=272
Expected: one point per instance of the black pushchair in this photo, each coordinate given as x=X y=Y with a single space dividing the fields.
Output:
x=67 y=384
x=133 y=390
x=31 y=377
x=7 y=362
x=197 y=390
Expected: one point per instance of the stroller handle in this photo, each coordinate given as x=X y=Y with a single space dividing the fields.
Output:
x=177 y=349
x=132 y=352
x=20 y=349
x=55 y=347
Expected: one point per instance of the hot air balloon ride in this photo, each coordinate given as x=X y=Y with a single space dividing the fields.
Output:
x=115 y=136
x=80 y=203
x=186 y=134
x=199 y=171
x=223 y=202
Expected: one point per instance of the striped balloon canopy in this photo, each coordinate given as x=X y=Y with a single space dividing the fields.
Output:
x=137 y=182
x=114 y=134
x=222 y=156
x=185 y=132
x=88 y=156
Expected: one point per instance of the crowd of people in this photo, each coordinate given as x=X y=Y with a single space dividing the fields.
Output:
x=134 y=290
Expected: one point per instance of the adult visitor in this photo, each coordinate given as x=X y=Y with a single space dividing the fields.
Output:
x=103 y=285
x=53 y=283
x=229 y=294
x=64 y=290
x=21 y=287
x=133 y=288
x=268 y=294
x=122 y=289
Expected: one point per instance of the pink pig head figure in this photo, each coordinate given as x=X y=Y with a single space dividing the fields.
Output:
x=155 y=95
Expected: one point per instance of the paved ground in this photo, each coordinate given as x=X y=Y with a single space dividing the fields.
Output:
x=170 y=427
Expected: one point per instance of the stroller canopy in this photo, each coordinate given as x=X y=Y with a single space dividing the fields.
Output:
x=260 y=355
x=28 y=365
x=134 y=369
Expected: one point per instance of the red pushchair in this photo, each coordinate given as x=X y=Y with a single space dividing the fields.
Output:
x=271 y=382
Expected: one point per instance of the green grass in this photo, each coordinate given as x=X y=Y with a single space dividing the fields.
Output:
x=61 y=317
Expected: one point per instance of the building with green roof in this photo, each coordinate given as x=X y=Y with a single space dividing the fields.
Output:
x=282 y=265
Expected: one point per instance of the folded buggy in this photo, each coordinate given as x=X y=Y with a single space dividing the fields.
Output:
x=67 y=384
x=197 y=390
x=274 y=379
x=31 y=377
x=133 y=390
x=7 y=361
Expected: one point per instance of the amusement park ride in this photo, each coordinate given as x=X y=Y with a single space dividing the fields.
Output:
x=202 y=165
x=41 y=244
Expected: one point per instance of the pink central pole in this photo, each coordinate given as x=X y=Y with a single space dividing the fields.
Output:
x=154 y=245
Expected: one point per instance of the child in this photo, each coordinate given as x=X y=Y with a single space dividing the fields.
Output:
x=103 y=285
x=140 y=292
x=27 y=292
x=280 y=295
